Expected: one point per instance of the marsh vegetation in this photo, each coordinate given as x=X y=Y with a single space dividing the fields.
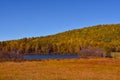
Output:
x=63 y=69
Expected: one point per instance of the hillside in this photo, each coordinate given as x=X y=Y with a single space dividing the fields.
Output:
x=69 y=42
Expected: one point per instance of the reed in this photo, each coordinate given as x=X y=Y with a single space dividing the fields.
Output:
x=62 y=69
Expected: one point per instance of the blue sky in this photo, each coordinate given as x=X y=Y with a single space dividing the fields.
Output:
x=30 y=18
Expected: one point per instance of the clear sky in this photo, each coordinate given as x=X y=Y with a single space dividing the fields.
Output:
x=30 y=18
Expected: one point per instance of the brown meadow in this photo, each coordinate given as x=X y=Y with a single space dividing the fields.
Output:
x=62 y=69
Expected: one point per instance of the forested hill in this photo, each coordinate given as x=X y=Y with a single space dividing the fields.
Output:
x=69 y=42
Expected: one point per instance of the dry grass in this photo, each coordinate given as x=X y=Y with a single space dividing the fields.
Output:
x=67 y=69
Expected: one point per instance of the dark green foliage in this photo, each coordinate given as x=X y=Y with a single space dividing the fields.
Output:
x=69 y=42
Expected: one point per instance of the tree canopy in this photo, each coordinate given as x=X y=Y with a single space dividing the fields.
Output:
x=69 y=42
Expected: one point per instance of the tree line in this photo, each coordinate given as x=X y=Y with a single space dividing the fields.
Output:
x=69 y=42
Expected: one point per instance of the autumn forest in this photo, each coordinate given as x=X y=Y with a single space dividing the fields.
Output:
x=69 y=42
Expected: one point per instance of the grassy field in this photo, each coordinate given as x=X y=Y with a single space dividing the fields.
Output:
x=115 y=55
x=64 y=69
